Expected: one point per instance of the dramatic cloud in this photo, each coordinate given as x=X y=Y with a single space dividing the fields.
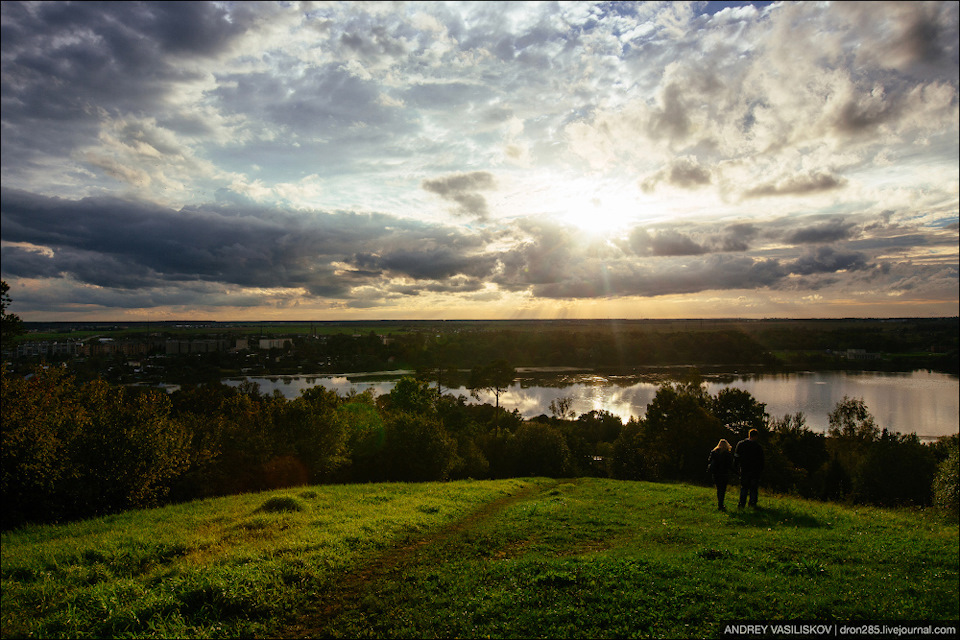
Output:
x=462 y=189
x=479 y=159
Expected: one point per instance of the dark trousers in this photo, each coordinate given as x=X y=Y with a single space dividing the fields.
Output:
x=749 y=485
x=720 y=480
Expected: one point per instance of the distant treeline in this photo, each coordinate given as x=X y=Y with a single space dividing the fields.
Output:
x=894 y=345
x=77 y=449
x=904 y=344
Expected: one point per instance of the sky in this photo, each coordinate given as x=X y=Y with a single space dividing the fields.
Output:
x=479 y=160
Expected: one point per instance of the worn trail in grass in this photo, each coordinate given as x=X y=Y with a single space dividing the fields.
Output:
x=354 y=589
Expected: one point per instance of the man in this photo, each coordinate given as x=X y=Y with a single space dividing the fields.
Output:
x=748 y=459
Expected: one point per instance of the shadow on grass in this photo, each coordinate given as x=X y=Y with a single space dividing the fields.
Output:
x=774 y=517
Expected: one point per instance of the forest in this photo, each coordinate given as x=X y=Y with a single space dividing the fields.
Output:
x=73 y=449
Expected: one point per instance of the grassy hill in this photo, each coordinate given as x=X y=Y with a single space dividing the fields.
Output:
x=591 y=558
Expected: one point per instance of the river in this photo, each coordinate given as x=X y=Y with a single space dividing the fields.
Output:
x=921 y=402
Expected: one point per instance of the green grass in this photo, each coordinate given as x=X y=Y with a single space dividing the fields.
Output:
x=511 y=558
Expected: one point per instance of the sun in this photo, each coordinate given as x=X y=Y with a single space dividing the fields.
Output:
x=599 y=216
x=599 y=209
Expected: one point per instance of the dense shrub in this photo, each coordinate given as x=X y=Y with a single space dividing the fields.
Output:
x=895 y=470
x=628 y=459
x=540 y=450
x=417 y=448
x=946 y=485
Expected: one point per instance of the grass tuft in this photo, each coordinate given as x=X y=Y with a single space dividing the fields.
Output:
x=281 y=504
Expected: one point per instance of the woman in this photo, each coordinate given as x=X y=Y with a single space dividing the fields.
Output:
x=719 y=464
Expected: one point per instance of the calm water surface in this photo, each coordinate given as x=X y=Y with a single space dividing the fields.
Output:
x=920 y=402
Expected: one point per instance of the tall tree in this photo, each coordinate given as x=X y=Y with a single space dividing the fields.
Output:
x=11 y=325
x=495 y=377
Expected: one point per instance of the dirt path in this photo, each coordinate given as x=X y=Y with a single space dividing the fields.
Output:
x=353 y=586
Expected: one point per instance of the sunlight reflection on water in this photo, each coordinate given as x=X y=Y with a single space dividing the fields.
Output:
x=921 y=402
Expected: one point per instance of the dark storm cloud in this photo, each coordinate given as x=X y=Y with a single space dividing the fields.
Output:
x=113 y=243
x=859 y=116
x=667 y=241
x=907 y=33
x=553 y=264
x=923 y=39
x=462 y=189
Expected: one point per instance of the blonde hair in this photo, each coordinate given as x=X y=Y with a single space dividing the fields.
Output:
x=722 y=445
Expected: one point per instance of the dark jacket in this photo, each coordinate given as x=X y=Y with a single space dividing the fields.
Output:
x=749 y=457
x=720 y=462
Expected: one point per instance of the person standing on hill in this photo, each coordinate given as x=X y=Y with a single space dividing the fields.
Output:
x=748 y=459
x=718 y=465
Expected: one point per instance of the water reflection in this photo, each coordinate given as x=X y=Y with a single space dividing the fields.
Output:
x=920 y=402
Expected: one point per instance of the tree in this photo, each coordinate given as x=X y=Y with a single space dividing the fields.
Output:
x=413 y=396
x=11 y=325
x=851 y=420
x=540 y=450
x=628 y=459
x=129 y=450
x=804 y=450
x=40 y=418
x=417 y=448
x=496 y=377
x=679 y=432
x=896 y=470
x=310 y=431
x=852 y=430
x=561 y=408
x=739 y=411
x=366 y=438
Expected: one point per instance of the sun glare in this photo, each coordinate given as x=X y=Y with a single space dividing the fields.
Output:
x=597 y=216
x=596 y=208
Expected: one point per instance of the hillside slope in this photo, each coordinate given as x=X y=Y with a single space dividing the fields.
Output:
x=510 y=558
